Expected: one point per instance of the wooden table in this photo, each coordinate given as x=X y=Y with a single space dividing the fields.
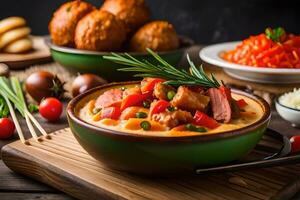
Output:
x=15 y=186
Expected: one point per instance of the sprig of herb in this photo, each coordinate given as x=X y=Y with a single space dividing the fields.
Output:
x=162 y=69
x=8 y=92
x=4 y=110
x=275 y=34
x=33 y=108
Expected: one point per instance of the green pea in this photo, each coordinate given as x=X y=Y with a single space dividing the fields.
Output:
x=170 y=95
x=191 y=127
x=141 y=115
x=145 y=125
x=171 y=108
x=146 y=104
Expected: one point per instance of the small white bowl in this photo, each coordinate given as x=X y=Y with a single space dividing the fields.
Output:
x=289 y=114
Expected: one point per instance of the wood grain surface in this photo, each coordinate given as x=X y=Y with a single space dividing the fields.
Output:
x=63 y=164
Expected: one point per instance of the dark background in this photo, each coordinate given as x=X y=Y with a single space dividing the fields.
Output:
x=205 y=21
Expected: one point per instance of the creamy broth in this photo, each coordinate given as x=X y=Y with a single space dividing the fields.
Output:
x=159 y=130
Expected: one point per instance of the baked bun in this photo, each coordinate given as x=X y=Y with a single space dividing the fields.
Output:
x=156 y=35
x=19 y=46
x=64 y=21
x=11 y=23
x=100 y=31
x=13 y=35
x=134 y=13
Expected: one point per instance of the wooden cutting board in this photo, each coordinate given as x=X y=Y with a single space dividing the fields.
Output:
x=63 y=164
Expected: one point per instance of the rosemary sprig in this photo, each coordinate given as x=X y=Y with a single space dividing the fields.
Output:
x=175 y=77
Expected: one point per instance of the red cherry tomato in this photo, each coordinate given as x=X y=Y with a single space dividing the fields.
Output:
x=158 y=107
x=51 y=108
x=202 y=119
x=295 y=143
x=7 y=128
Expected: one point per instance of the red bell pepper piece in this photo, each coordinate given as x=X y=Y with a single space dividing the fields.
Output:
x=201 y=119
x=226 y=91
x=158 y=107
x=135 y=100
x=241 y=103
x=110 y=112
x=148 y=84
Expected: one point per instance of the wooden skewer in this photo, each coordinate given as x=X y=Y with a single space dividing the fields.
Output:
x=15 y=119
x=36 y=123
x=31 y=129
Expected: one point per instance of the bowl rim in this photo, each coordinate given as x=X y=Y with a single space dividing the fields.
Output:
x=284 y=106
x=185 y=43
x=155 y=138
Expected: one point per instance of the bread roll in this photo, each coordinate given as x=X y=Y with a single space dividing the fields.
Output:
x=13 y=35
x=11 y=23
x=19 y=46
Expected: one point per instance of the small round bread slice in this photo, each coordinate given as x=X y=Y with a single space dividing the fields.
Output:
x=13 y=35
x=19 y=46
x=11 y=23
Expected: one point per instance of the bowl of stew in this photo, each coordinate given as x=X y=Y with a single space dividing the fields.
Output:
x=151 y=128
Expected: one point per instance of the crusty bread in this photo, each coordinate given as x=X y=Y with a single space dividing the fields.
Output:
x=19 y=46
x=13 y=35
x=11 y=23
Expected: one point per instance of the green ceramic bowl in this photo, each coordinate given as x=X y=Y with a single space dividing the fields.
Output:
x=92 y=61
x=155 y=155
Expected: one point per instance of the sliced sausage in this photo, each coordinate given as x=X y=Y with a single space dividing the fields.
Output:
x=186 y=99
x=220 y=105
x=109 y=98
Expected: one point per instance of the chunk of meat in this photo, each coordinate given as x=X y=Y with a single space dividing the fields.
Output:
x=186 y=99
x=173 y=119
x=161 y=90
x=109 y=98
x=220 y=105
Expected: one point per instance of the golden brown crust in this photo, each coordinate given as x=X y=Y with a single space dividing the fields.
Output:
x=64 y=21
x=19 y=46
x=100 y=31
x=156 y=35
x=134 y=13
